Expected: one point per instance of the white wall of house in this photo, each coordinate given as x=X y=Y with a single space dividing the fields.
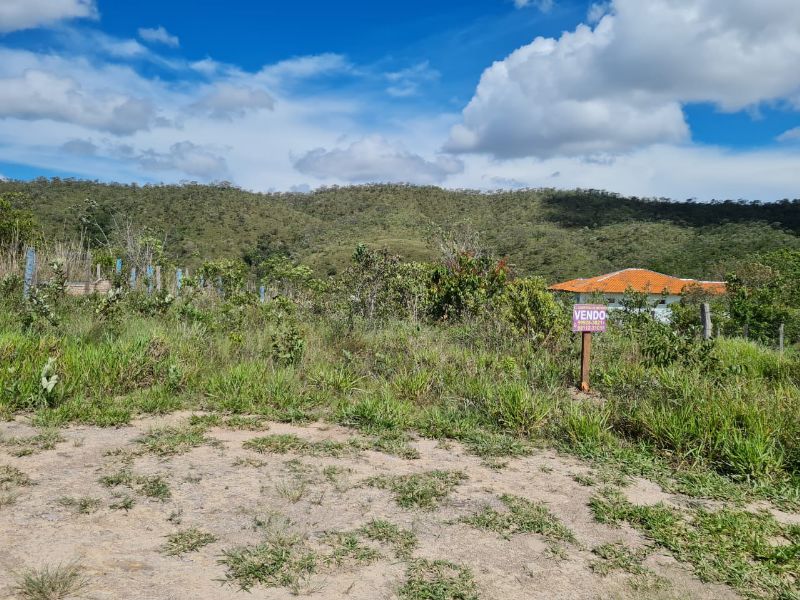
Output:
x=613 y=301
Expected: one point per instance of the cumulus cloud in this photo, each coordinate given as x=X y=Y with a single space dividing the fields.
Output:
x=622 y=84
x=28 y=14
x=374 y=158
x=158 y=35
x=227 y=101
x=186 y=157
x=39 y=94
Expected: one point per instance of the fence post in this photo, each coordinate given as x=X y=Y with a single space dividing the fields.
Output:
x=149 y=279
x=262 y=293
x=158 y=278
x=705 y=317
x=30 y=271
x=133 y=278
x=97 y=270
x=781 y=330
x=178 y=279
x=119 y=266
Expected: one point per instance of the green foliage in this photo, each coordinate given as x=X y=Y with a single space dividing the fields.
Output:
x=422 y=490
x=438 y=580
x=187 y=540
x=465 y=283
x=522 y=516
x=16 y=226
x=731 y=546
x=532 y=310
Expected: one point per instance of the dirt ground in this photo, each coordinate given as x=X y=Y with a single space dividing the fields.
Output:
x=223 y=489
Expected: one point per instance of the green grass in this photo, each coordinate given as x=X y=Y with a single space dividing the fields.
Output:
x=521 y=516
x=348 y=548
x=749 y=551
x=187 y=540
x=85 y=505
x=11 y=477
x=155 y=487
x=51 y=583
x=286 y=443
x=280 y=561
x=616 y=556
x=402 y=541
x=171 y=441
x=421 y=490
x=46 y=439
x=438 y=580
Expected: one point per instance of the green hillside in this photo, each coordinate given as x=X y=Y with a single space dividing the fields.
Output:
x=558 y=234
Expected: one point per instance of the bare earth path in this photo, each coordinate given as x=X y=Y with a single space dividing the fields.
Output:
x=237 y=494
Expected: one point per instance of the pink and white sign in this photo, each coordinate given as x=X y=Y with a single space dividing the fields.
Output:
x=589 y=317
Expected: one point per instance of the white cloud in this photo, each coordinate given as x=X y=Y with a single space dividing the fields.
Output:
x=37 y=94
x=376 y=159
x=791 y=135
x=542 y=5
x=407 y=82
x=226 y=101
x=186 y=157
x=28 y=14
x=159 y=35
x=597 y=10
x=677 y=172
x=305 y=67
x=622 y=84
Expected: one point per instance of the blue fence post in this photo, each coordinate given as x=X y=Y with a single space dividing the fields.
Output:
x=30 y=270
x=262 y=292
x=178 y=279
x=119 y=266
x=149 y=279
x=133 y=278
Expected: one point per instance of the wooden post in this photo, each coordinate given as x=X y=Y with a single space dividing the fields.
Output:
x=30 y=271
x=705 y=317
x=586 y=355
x=781 y=330
x=98 y=271
x=158 y=278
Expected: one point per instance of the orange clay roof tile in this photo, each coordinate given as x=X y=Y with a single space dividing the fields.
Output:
x=641 y=280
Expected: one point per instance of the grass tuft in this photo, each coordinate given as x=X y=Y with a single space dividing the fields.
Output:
x=50 y=583
x=438 y=580
x=187 y=540
x=280 y=561
x=402 y=541
x=421 y=490
x=522 y=516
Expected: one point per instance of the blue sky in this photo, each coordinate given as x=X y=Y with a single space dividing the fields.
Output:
x=677 y=98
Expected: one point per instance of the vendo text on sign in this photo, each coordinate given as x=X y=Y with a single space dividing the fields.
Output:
x=589 y=318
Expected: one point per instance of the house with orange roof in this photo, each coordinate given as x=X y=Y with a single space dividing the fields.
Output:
x=662 y=290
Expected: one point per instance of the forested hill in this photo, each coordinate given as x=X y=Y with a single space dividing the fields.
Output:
x=558 y=234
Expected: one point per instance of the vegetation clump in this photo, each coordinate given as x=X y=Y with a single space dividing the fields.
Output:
x=522 y=516
x=420 y=490
x=187 y=540
x=438 y=580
